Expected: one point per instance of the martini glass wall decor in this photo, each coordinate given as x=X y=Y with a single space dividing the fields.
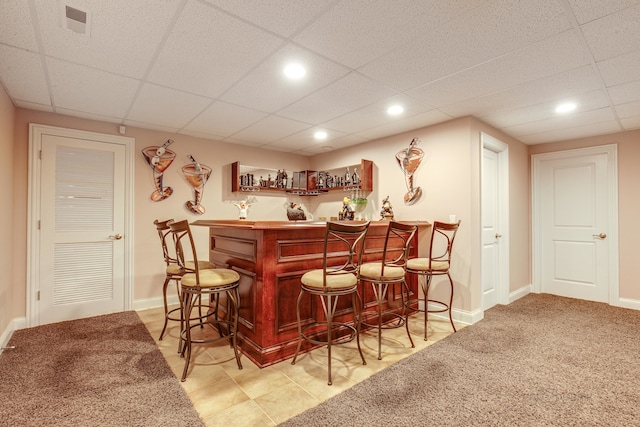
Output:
x=159 y=158
x=197 y=175
x=409 y=159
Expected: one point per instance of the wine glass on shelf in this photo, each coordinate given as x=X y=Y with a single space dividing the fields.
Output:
x=197 y=175
x=159 y=158
x=409 y=159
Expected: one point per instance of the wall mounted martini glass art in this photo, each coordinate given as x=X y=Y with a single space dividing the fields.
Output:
x=159 y=158
x=409 y=159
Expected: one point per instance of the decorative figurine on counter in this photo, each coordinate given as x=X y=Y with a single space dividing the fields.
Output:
x=197 y=175
x=295 y=212
x=243 y=207
x=386 y=213
x=355 y=178
x=348 y=212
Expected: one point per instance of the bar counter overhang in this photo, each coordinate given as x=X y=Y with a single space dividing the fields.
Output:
x=271 y=257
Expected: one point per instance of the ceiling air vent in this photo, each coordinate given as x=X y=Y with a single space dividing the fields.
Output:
x=76 y=20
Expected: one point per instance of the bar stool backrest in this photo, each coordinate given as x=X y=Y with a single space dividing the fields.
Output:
x=185 y=247
x=441 y=245
x=164 y=231
x=343 y=243
x=397 y=244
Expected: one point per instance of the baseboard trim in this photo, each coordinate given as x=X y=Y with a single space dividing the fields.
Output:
x=14 y=325
x=633 y=304
x=146 y=304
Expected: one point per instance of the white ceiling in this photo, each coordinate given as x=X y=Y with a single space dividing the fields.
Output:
x=213 y=68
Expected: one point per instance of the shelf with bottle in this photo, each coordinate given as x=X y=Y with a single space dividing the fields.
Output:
x=302 y=183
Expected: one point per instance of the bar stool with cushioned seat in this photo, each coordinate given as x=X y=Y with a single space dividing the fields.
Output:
x=442 y=237
x=390 y=271
x=343 y=245
x=173 y=272
x=213 y=282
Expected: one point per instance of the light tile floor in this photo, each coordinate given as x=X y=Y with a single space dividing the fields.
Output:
x=225 y=396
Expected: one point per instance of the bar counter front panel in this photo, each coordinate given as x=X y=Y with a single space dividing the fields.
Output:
x=271 y=257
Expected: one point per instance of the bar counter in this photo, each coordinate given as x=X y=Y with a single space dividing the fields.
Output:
x=271 y=257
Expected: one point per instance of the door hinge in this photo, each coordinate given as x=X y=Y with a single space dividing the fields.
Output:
x=40 y=155
x=38 y=224
x=38 y=296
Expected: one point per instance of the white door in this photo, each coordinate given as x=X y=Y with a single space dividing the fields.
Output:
x=495 y=272
x=575 y=226
x=82 y=251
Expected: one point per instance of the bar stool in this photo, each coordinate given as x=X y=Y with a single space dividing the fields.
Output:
x=390 y=271
x=173 y=272
x=197 y=282
x=343 y=243
x=442 y=237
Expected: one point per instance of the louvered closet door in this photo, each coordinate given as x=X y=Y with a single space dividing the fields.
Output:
x=82 y=222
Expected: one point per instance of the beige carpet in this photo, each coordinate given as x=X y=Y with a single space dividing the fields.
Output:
x=540 y=361
x=101 y=371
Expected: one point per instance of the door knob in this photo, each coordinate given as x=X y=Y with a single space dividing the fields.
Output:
x=498 y=236
x=116 y=237
x=600 y=236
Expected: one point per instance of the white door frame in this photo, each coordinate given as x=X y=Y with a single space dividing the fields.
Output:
x=502 y=150
x=612 y=234
x=36 y=132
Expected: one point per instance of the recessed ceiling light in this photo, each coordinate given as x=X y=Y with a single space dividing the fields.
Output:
x=567 y=107
x=320 y=135
x=295 y=71
x=394 y=110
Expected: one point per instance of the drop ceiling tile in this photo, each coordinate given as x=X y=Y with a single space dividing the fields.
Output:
x=630 y=109
x=589 y=10
x=551 y=88
x=17 y=25
x=625 y=93
x=21 y=72
x=208 y=51
x=270 y=129
x=407 y=124
x=550 y=56
x=492 y=30
x=613 y=35
x=373 y=28
x=376 y=114
x=238 y=141
x=336 y=144
x=168 y=107
x=284 y=17
x=124 y=34
x=111 y=94
x=546 y=110
x=305 y=139
x=224 y=119
x=151 y=126
x=267 y=89
x=33 y=106
x=350 y=93
x=565 y=134
x=631 y=123
x=621 y=69
x=89 y=116
x=562 y=122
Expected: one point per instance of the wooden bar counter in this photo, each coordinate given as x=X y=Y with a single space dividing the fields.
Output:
x=271 y=257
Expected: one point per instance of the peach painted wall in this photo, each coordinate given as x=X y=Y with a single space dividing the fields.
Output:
x=8 y=308
x=450 y=179
x=218 y=198
x=628 y=203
